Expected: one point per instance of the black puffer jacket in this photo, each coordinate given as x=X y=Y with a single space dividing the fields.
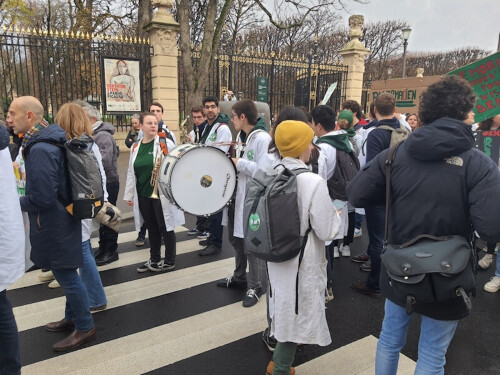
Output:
x=440 y=185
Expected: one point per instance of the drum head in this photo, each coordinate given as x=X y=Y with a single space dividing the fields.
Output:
x=202 y=181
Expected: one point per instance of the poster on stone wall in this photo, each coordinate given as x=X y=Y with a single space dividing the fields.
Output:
x=488 y=141
x=484 y=77
x=121 y=85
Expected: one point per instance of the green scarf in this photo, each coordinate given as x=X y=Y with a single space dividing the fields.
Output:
x=260 y=125
x=222 y=118
x=339 y=141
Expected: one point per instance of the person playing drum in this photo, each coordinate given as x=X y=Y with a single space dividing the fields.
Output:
x=216 y=134
x=141 y=191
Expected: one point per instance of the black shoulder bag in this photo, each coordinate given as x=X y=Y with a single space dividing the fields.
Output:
x=427 y=269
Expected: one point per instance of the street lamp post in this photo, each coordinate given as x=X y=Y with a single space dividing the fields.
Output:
x=406 y=35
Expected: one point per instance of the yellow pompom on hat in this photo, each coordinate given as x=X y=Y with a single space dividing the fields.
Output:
x=292 y=138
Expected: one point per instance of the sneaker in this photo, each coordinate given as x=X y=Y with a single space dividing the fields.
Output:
x=167 y=267
x=229 y=282
x=156 y=266
x=270 y=341
x=336 y=253
x=140 y=241
x=493 y=285
x=144 y=267
x=209 y=250
x=99 y=308
x=54 y=284
x=203 y=243
x=270 y=369
x=361 y=258
x=252 y=297
x=366 y=266
x=358 y=232
x=361 y=287
x=193 y=232
x=328 y=295
x=203 y=235
x=486 y=261
x=45 y=276
x=345 y=251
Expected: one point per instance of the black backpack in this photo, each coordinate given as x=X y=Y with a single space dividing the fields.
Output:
x=84 y=176
x=346 y=167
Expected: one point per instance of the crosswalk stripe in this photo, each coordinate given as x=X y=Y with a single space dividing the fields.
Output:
x=40 y=313
x=126 y=259
x=160 y=346
x=355 y=358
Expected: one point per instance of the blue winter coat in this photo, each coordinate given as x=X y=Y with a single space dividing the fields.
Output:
x=56 y=237
x=440 y=185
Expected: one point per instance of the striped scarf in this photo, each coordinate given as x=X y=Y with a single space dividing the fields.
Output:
x=37 y=127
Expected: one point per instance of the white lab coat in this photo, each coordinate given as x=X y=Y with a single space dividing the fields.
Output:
x=11 y=225
x=220 y=133
x=309 y=326
x=257 y=145
x=173 y=216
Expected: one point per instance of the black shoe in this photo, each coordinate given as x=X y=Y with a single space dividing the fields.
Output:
x=252 y=297
x=107 y=258
x=270 y=341
x=140 y=241
x=366 y=266
x=210 y=250
x=229 y=282
x=361 y=258
x=204 y=243
x=361 y=287
x=144 y=267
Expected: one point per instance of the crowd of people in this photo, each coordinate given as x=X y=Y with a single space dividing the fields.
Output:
x=441 y=185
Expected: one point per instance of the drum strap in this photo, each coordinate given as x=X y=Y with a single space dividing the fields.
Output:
x=163 y=143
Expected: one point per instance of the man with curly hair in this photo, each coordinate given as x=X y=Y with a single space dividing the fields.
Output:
x=440 y=185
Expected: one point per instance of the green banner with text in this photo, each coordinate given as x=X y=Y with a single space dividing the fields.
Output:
x=484 y=77
x=262 y=89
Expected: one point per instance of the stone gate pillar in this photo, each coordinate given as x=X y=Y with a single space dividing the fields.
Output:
x=163 y=31
x=353 y=55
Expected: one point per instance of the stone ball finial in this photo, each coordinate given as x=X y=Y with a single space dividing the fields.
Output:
x=355 y=23
x=420 y=72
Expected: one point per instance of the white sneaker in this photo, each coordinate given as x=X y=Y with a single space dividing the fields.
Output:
x=345 y=250
x=358 y=232
x=336 y=253
x=485 y=262
x=328 y=295
x=46 y=276
x=493 y=285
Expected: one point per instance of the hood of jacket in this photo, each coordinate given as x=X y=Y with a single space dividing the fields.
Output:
x=340 y=141
x=443 y=138
x=222 y=118
x=52 y=133
x=260 y=125
x=105 y=127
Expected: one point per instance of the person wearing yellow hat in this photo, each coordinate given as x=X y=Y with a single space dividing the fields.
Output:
x=308 y=325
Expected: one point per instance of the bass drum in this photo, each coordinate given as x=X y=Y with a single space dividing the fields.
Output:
x=200 y=180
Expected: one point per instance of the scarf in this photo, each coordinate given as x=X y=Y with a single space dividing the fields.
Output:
x=37 y=127
x=339 y=141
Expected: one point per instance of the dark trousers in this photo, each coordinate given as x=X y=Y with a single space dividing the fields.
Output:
x=329 y=264
x=152 y=213
x=350 y=230
x=10 y=357
x=216 y=229
x=108 y=238
x=203 y=223
x=375 y=223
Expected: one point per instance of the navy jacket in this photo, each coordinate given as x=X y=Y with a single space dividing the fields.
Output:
x=440 y=185
x=56 y=237
x=379 y=139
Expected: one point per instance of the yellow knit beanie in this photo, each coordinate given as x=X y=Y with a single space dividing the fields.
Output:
x=292 y=138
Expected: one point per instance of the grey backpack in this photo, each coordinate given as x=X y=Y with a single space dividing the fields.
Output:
x=271 y=216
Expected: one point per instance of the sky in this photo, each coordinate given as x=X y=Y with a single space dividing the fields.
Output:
x=438 y=25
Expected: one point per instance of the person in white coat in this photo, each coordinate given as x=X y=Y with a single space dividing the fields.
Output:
x=254 y=156
x=308 y=325
x=11 y=260
x=161 y=216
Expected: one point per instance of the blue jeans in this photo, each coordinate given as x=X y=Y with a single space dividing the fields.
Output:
x=435 y=337
x=77 y=301
x=497 y=272
x=216 y=230
x=358 y=220
x=90 y=277
x=10 y=357
x=375 y=223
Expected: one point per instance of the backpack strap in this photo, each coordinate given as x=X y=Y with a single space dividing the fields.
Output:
x=163 y=142
x=391 y=156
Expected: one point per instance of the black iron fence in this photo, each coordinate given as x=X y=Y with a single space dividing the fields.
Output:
x=59 y=67
x=275 y=79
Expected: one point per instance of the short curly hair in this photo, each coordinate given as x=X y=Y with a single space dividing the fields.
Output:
x=450 y=97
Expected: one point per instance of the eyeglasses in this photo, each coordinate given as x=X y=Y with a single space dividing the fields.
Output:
x=213 y=106
x=233 y=115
